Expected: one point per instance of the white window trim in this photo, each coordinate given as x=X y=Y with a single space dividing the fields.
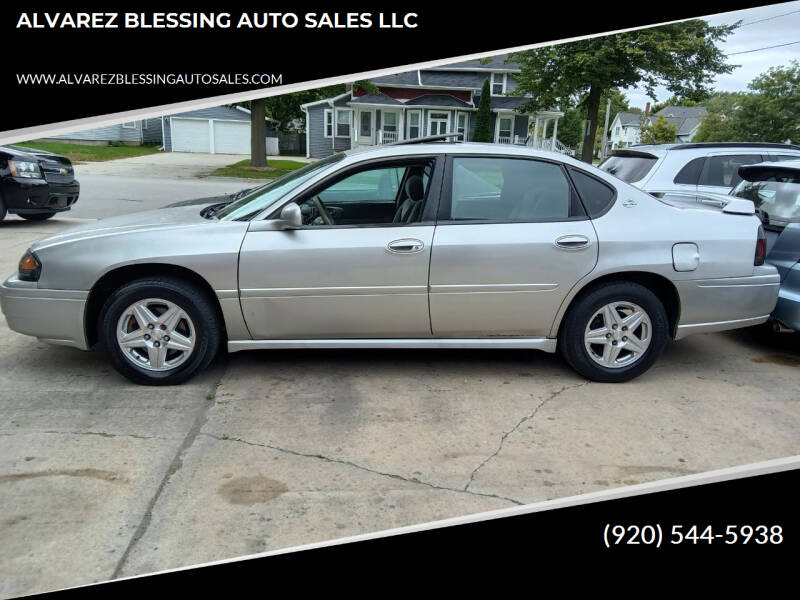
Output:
x=430 y=119
x=408 y=123
x=492 y=83
x=129 y=125
x=327 y=113
x=349 y=112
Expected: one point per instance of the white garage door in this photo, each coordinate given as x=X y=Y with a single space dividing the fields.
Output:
x=190 y=135
x=232 y=137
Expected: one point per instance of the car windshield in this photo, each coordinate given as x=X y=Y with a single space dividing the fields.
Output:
x=259 y=198
x=777 y=202
x=629 y=168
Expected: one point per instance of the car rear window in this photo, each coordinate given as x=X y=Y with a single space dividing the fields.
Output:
x=597 y=196
x=629 y=167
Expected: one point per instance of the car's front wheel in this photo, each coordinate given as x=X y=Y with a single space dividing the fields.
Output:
x=615 y=332
x=160 y=331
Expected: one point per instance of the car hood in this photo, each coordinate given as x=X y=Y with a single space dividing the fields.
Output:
x=170 y=218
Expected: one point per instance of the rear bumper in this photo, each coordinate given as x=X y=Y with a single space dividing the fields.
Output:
x=54 y=316
x=787 y=310
x=720 y=304
x=22 y=195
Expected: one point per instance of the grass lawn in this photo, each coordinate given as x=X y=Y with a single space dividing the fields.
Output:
x=84 y=153
x=274 y=168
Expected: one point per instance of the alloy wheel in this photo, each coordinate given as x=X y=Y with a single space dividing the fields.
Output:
x=156 y=334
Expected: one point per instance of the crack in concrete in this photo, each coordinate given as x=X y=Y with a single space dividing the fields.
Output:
x=177 y=462
x=506 y=434
x=354 y=465
x=104 y=434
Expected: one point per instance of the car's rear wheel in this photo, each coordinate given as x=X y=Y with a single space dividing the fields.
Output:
x=160 y=331
x=39 y=216
x=2 y=209
x=615 y=332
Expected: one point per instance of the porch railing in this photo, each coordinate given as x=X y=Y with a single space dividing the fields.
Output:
x=386 y=137
x=504 y=139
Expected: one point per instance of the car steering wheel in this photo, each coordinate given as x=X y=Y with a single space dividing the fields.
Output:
x=323 y=212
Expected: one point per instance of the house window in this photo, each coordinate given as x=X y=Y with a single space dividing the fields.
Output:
x=343 y=118
x=328 y=123
x=616 y=131
x=413 y=124
x=390 y=122
x=498 y=84
x=129 y=125
x=461 y=125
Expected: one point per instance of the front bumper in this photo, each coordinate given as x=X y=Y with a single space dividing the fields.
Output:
x=720 y=304
x=54 y=316
x=22 y=195
x=787 y=310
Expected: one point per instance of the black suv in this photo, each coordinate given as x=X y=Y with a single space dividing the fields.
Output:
x=35 y=184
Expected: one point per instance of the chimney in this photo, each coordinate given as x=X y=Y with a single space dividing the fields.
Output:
x=647 y=110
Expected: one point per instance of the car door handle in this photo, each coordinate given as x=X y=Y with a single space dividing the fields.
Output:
x=408 y=246
x=572 y=242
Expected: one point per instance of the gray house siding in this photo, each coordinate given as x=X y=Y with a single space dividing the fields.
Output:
x=109 y=133
x=151 y=131
x=521 y=126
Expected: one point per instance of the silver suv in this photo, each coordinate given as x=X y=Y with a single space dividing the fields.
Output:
x=701 y=167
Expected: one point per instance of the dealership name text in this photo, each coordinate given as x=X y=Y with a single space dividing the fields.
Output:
x=213 y=20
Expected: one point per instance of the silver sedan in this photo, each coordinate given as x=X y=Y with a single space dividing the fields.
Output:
x=425 y=245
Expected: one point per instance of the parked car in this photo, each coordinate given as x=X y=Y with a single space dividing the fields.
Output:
x=696 y=167
x=417 y=245
x=35 y=184
x=774 y=188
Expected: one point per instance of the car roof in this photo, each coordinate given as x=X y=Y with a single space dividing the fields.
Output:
x=391 y=150
x=756 y=171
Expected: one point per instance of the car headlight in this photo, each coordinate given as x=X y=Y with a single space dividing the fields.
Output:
x=24 y=168
x=30 y=267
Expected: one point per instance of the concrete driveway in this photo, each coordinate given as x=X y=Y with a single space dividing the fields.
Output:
x=167 y=165
x=100 y=478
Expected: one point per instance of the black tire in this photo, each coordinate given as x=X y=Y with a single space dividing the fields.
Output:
x=42 y=216
x=194 y=301
x=2 y=209
x=573 y=329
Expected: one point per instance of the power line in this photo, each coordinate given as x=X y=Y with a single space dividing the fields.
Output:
x=769 y=18
x=764 y=48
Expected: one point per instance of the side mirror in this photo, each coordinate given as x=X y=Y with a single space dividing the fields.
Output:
x=291 y=216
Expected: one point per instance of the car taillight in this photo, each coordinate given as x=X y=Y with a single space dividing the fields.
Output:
x=761 y=247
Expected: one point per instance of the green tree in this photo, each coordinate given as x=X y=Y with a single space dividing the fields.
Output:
x=483 y=120
x=682 y=56
x=771 y=112
x=720 y=124
x=660 y=132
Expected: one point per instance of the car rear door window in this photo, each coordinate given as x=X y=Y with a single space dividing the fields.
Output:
x=690 y=173
x=509 y=190
x=597 y=196
x=722 y=171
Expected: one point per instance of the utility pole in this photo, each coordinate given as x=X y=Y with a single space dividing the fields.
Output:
x=605 y=130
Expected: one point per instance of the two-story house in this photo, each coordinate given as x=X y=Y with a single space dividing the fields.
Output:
x=428 y=102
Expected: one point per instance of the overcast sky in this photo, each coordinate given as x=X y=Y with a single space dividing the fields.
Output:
x=770 y=32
